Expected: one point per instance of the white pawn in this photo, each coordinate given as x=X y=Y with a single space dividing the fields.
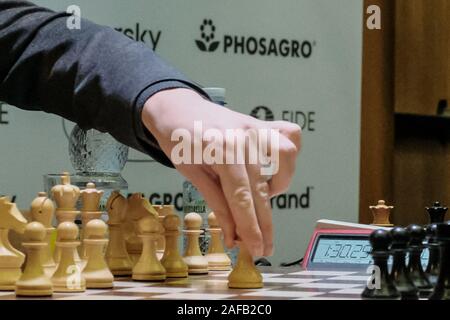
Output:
x=148 y=266
x=197 y=263
x=68 y=276
x=218 y=260
x=42 y=210
x=172 y=260
x=96 y=271
x=34 y=281
x=245 y=274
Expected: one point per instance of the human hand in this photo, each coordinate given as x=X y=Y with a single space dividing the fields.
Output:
x=239 y=192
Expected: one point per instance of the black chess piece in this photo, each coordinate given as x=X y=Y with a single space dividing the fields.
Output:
x=442 y=288
x=437 y=213
x=415 y=268
x=432 y=270
x=385 y=289
x=399 y=272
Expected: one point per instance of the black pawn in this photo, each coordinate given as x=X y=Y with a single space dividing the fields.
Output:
x=415 y=268
x=432 y=269
x=437 y=213
x=442 y=288
x=399 y=272
x=380 y=241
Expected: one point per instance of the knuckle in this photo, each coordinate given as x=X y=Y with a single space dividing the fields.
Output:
x=243 y=198
x=295 y=129
x=288 y=150
x=262 y=190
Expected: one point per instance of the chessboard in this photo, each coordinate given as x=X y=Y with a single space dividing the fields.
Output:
x=292 y=283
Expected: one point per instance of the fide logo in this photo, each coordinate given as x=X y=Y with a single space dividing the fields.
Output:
x=207 y=44
x=262 y=113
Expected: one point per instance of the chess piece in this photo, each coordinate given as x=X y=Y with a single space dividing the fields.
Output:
x=437 y=213
x=66 y=196
x=218 y=260
x=172 y=260
x=117 y=256
x=385 y=289
x=399 y=273
x=381 y=213
x=42 y=211
x=34 y=281
x=415 y=269
x=148 y=267
x=11 y=259
x=245 y=274
x=197 y=263
x=90 y=200
x=162 y=211
x=442 y=288
x=138 y=207
x=96 y=271
x=432 y=270
x=68 y=276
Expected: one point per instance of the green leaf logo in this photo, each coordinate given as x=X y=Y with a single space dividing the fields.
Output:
x=207 y=32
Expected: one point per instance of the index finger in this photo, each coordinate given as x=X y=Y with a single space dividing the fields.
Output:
x=236 y=187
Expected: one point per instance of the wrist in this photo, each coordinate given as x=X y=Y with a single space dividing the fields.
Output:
x=162 y=104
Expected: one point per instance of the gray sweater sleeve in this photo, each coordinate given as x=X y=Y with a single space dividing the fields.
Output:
x=93 y=76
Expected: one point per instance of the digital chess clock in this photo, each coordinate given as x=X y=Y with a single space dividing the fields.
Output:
x=337 y=245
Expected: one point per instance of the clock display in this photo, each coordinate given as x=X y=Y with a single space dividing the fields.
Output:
x=348 y=250
x=342 y=250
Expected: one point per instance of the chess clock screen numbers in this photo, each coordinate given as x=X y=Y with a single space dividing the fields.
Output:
x=346 y=251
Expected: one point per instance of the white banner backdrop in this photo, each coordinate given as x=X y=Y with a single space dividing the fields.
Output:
x=297 y=60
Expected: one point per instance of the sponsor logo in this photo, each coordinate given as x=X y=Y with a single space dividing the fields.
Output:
x=207 y=32
x=167 y=198
x=305 y=119
x=293 y=200
x=142 y=34
x=252 y=44
x=282 y=202
x=262 y=113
